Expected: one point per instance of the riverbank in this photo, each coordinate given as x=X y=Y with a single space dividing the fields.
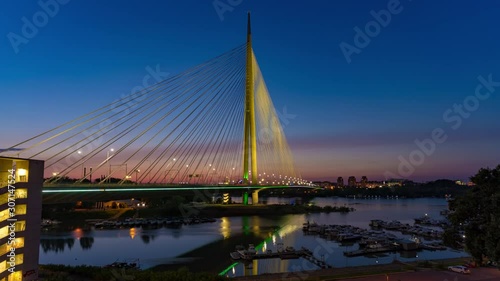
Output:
x=371 y=272
x=237 y=210
x=358 y=271
x=78 y=217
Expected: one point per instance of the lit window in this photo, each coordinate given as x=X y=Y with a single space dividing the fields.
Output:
x=16 y=276
x=19 y=242
x=21 y=193
x=4 y=249
x=19 y=259
x=4 y=231
x=4 y=198
x=3 y=266
x=22 y=175
x=21 y=226
x=4 y=215
x=21 y=209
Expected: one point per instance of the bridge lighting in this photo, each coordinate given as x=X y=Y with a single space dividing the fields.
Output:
x=54 y=174
x=79 y=152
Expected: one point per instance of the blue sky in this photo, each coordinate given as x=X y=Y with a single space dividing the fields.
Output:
x=353 y=118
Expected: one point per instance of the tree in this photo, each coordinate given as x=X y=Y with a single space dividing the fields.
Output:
x=478 y=214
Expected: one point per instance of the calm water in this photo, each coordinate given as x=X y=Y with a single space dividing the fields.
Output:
x=207 y=246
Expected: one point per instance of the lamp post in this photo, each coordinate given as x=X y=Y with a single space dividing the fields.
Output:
x=107 y=160
x=84 y=171
x=231 y=176
x=136 y=172
x=208 y=173
x=166 y=171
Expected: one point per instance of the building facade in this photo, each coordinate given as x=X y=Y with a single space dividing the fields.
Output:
x=340 y=182
x=21 y=182
x=364 y=181
x=351 y=181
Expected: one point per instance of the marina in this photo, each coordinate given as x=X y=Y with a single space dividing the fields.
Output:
x=376 y=241
x=207 y=246
x=282 y=253
x=148 y=222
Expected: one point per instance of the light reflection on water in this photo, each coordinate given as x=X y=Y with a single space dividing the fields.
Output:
x=164 y=245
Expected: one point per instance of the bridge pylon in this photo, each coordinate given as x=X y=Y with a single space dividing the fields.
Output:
x=250 y=137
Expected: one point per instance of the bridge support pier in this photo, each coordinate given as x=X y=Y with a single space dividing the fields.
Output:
x=255 y=197
x=245 y=198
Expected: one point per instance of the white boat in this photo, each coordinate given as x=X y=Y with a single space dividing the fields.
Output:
x=235 y=255
x=48 y=222
x=251 y=250
x=241 y=250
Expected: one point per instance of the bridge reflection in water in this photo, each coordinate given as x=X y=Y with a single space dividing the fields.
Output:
x=269 y=243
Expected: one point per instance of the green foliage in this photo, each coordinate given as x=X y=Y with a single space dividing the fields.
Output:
x=63 y=273
x=478 y=214
x=77 y=216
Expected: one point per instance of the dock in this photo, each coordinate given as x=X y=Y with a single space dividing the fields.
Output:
x=286 y=254
x=367 y=251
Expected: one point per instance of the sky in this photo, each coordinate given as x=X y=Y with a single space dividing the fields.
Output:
x=401 y=89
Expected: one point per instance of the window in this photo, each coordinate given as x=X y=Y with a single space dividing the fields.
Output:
x=20 y=226
x=4 y=231
x=21 y=193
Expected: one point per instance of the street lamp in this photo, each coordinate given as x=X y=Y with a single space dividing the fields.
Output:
x=231 y=176
x=166 y=171
x=136 y=172
x=107 y=160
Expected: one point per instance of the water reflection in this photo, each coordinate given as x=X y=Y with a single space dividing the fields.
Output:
x=131 y=233
x=59 y=244
x=147 y=238
x=86 y=242
x=56 y=245
x=225 y=227
x=206 y=247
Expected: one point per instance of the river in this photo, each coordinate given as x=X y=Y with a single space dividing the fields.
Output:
x=206 y=246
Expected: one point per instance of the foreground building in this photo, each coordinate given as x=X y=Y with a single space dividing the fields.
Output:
x=21 y=183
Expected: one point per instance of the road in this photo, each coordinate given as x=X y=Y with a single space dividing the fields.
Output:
x=478 y=274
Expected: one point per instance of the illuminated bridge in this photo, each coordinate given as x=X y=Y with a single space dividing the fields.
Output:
x=211 y=125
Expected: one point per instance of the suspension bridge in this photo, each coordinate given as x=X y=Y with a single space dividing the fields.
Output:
x=211 y=126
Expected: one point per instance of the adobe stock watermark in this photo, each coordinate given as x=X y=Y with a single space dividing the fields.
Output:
x=267 y=132
x=223 y=6
x=126 y=102
x=453 y=116
x=11 y=242
x=372 y=29
x=31 y=27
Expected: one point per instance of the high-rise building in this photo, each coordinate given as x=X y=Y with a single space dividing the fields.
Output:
x=351 y=181
x=340 y=182
x=21 y=183
x=364 y=181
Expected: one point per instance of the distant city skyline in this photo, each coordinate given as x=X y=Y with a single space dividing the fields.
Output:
x=385 y=89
